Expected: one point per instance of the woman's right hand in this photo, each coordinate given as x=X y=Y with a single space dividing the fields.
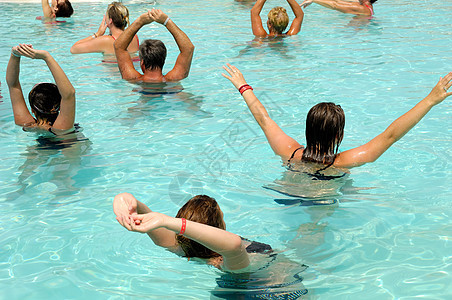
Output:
x=102 y=27
x=147 y=222
x=439 y=92
x=236 y=77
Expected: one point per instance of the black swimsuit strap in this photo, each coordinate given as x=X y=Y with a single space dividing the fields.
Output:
x=293 y=154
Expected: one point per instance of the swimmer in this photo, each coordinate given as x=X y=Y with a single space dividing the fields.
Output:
x=277 y=20
x=53 y=105
x=59 y=8
x=198 y=230
x=325 y=128
x=363 y=7
x=153 y=52
x=116 y=20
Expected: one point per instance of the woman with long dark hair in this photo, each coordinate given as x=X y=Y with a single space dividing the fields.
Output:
x=325 y=128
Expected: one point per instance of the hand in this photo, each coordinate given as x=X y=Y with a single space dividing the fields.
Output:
x=124 y=206
x=158 y=15
x=439 y=92
x=306 y=3
x=102 y=27
x=147 y=222
x=15 y=51
x=28 y=51
x=235 y=77
x=146 y=18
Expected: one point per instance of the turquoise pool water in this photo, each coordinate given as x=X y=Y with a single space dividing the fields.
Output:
x=388 y=237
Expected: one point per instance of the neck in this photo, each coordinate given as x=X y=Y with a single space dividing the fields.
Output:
x=115 y=31
x=153 y=75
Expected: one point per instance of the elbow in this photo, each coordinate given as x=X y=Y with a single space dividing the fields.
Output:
x=236 y=244
x=73 y=50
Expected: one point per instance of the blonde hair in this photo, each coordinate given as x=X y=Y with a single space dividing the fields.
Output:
x=278 y=18
x=119 y=14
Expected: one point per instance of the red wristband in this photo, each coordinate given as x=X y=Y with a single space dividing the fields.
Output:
x=244 y=88
x=184 y=225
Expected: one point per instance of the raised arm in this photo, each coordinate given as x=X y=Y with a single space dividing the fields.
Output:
x=66 y=117
x=47 y=10
x=125 y=62
x=377 y=146
x=125 y=205
x=94 y=43
x=21 y=113
x=342 y=6
x=227 y=244
x=282 y=144
x=186 y=48
x=299 y=15
x=256 y=21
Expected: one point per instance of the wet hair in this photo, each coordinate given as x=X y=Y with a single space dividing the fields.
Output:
x=153 y=54
x=119 y=14
x=278 y=19
x=324 y=132
x=65 y=9
x=45 y=99
x=371 y=1
x=205 y=210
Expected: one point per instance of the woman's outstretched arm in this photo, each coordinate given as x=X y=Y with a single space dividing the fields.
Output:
x=125 y=205
x=377 y=146
x=228 y=244
x=342 y=6
x=282 y=144
x=93 y=43
x=21 y=113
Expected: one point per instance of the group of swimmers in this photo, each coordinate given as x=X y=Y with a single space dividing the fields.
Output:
x=198 y=230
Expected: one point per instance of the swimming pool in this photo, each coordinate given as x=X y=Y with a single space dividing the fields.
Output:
x=389 y=236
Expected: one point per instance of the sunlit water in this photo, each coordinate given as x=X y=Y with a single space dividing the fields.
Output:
x=388 y=235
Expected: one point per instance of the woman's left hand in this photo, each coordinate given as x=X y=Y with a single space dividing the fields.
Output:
x=102 y=27
x=236 y=77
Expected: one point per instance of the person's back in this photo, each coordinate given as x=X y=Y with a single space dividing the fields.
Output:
x=278 y=20
x=53 y=105
x=153 y=52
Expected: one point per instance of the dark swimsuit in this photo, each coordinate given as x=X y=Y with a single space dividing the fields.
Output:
x=316 y=175
x=245 y=286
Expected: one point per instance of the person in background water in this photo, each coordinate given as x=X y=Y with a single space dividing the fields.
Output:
x=53 y=105
x=325 y=128
x=116 y=20
x=59 y=8
x=277 y=20
x=153 y=52
x=362 y=7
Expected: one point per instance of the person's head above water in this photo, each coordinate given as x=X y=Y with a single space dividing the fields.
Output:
x=371 y=1
x=202 y=209
x=62 y=8
x=278 y=19
x=324 y=132
x=45 y=100
x=152 y=54
x=119 y=15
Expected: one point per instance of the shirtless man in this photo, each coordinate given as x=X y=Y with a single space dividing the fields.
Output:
x=277 y=20
x=363 y=7
x=59 y=8
x=153 y=52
